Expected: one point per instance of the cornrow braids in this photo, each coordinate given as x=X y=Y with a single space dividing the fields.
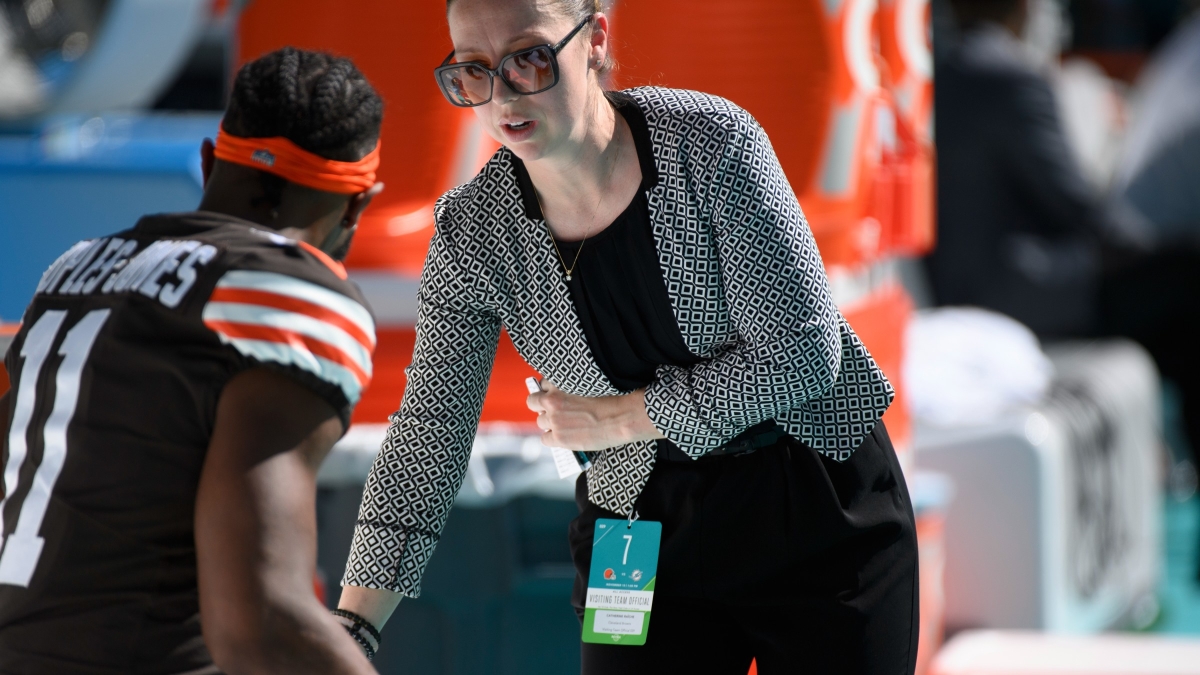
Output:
x=320 y=102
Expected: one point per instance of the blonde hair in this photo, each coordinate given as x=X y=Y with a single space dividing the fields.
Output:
x=579 y=10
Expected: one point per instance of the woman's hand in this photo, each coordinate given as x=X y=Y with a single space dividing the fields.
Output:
x=582 y=423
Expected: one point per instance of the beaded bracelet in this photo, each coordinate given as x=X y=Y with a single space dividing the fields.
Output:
x=363 y=632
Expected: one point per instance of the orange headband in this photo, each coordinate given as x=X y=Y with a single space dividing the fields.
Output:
x=287 y=160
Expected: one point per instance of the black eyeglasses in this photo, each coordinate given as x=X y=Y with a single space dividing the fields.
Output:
x=529 y=71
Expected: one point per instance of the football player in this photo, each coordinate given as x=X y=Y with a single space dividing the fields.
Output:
x=174 y=389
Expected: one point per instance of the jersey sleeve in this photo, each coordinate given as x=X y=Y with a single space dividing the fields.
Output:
x=319 y=336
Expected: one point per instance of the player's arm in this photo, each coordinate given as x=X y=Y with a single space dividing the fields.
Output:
x=256 y=532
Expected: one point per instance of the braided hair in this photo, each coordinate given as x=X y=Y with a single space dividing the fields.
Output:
x=318 y=101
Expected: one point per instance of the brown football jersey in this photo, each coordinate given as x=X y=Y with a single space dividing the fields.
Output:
x=116 y=373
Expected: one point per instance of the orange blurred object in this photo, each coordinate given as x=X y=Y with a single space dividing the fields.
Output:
x=832 y=123
x=907 y=171
x=904 y=44
x=880 y=321
x=429 y=146
x=6 y=330
x=904 y=195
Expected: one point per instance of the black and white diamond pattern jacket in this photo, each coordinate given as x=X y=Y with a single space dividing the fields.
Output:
x=748 y=289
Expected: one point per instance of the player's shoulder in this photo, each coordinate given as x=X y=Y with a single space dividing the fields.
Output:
x=247 y=251
x=274 y=300
x=283 y=302
x=257 y=252
x=176 y=258
x=288 y=282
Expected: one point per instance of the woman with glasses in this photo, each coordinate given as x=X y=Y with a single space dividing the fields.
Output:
x=647 y=255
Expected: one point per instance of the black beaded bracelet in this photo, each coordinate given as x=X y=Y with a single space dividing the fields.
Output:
x=363 y=631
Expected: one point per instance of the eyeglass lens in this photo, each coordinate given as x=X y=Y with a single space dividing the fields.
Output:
x=467 y=84
x=527 y=72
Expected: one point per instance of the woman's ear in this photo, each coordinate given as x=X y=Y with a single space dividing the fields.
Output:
x=598 y=52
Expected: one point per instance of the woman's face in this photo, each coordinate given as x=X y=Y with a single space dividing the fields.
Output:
x=533 y=126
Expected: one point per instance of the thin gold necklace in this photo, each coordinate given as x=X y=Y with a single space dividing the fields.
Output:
x=570 y=270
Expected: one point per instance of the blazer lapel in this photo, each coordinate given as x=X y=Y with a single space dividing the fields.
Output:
x=542 y=322
x=682 y=237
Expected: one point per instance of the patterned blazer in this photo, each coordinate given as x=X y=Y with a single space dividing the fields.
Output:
x=747 y=286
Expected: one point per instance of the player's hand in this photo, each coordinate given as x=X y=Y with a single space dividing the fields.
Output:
x=587 y=424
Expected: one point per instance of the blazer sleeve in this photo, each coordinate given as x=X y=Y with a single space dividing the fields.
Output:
x=788 y=348
x=421 y=464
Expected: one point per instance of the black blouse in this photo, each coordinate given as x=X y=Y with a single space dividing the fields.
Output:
x=617 y=285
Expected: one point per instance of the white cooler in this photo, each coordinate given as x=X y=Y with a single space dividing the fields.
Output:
x=1056 y=522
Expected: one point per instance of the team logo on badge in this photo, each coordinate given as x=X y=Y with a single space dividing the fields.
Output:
x=636 y=575
x=610 y=574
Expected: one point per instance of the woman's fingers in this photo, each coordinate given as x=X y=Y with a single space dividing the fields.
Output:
x=574 y=422
x=549 y=398
x=535 y=402
x=545 y=403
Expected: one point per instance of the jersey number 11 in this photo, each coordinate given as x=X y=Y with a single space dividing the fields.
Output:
x=19 y=551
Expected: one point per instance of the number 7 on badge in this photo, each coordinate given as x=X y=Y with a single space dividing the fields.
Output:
x=620 y=590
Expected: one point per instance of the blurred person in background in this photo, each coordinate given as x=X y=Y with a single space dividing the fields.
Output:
x=1158 y=173
x=175 y=388
x=1159 y=170
x=1020 y=229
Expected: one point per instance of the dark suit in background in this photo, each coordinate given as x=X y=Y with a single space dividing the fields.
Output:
x=1019 y=230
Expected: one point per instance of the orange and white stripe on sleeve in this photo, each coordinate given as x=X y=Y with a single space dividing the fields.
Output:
x=280 y=319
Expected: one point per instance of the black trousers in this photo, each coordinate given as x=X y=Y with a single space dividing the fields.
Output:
x=805 y=563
